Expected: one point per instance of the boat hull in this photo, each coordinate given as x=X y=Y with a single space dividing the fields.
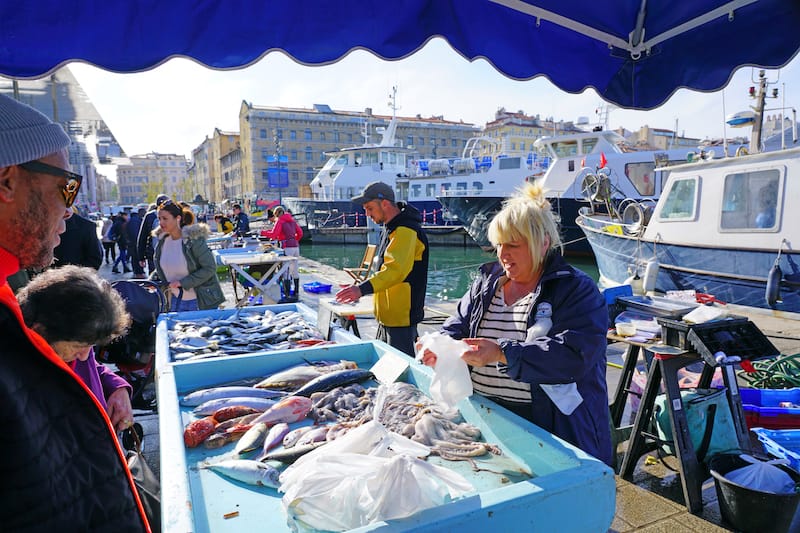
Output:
x=338 y=213
x=732 y=275
x=478 y=211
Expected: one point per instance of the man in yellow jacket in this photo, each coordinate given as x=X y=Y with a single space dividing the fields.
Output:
x=401 y=271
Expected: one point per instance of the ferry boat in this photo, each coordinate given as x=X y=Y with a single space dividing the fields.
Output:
x=722 y=226
x=569 y=157
x=416 y=181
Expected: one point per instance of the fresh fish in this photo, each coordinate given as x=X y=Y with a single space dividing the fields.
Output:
x=292 y=454
x=251 y=440
x=332 y=380
x=204 y=395
x=233 y=411
x=197 y=431
x=299 y=375
x=290 y=409
x=212 y=406
x=274 y=437
x=315 y=435
x=294 y=435
x=248 y=471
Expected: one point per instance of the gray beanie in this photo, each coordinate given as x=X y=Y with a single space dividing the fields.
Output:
x=26 y=134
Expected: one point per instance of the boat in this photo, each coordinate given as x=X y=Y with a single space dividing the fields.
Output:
x=416 y=181
x=722 y=226
x=567 y=180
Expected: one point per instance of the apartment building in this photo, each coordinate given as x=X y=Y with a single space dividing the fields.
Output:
x=148 y=175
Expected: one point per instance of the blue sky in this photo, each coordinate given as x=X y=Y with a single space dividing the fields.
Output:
x=172 y=108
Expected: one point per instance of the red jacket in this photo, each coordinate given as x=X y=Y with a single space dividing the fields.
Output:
x=287 y=231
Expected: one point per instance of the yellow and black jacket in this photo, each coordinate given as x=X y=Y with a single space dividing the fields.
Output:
x=401 y=274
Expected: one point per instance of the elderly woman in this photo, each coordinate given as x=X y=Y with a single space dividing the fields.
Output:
x=73 y=309
x=183 y=259
x=536 y=328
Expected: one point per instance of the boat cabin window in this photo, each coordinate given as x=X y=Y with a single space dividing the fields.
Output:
x=565 y=148
x=642 y=177
x=681 y=200
x=505 y=163
x=588 y=145
x=416 y=191
x=750 y=200
x=477 y=186
x=461 y=187
x=430 y=190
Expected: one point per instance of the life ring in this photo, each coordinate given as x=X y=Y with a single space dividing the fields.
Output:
x=741 y=151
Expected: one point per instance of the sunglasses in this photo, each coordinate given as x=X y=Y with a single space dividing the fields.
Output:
x=70 y=190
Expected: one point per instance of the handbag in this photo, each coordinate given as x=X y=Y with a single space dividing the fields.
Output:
x=708 y=415
x=147 y=483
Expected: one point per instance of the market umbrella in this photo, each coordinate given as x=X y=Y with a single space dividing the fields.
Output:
x=635 y=53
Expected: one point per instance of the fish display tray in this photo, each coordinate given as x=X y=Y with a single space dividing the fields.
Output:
x=165 y=320
x=315 y=287
x=762 y=408
x=781 y=443
x=657 y=306
x=196 y=499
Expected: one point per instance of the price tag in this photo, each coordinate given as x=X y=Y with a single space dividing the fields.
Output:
x=389 y=367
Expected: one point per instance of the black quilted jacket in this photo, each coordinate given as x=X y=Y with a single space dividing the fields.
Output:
x=60 y=467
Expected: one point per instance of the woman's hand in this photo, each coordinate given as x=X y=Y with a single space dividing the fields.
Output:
x=120 y=411
x=428 y=357
x=174 y=284
x=483 y=352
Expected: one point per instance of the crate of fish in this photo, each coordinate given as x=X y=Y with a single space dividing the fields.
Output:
x=256 y=443
x=226 y=332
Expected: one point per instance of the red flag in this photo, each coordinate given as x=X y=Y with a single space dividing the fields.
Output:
x=603 y=160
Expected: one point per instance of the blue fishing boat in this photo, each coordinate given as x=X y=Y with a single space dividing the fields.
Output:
x=721 y=226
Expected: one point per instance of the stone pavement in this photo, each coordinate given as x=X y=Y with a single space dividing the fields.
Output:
x=652 y=502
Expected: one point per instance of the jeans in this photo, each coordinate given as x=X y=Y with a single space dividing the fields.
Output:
x=123 y=257
x=183 y=305
x=402 y=338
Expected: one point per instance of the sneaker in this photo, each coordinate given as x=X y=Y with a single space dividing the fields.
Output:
x=115 y=271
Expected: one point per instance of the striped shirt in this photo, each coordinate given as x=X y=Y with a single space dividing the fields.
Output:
x=507 y=322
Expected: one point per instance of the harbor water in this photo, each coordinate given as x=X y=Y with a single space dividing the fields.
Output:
x=450 y=269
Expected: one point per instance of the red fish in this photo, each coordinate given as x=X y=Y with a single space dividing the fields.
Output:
x=198 y=431
x=290 y=409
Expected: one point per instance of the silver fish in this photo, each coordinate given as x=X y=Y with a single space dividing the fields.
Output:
x=294 y=435
x=211 y=406
x=248 y=471
x=252 y=439
x=274 y=438
x=204 y=395
x=318 y=434
x=299 y=375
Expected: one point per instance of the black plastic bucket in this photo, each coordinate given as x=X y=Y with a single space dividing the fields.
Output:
x=747 y=509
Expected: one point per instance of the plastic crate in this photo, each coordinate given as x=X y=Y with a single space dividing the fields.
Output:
x=781 y=443
x=762 y=408
x=674 y=331
x=732 y=337
x=315 y=287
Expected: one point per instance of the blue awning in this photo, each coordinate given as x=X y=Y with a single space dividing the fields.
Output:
x=635 y=53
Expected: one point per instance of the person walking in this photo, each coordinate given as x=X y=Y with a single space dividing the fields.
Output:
x=109 y=246
x=79 y=244
x=134 y=225
x=184 y=260
x=119 y=233
x=288 y=233
x=144 y=242
x=401 y=274
x=73 y=476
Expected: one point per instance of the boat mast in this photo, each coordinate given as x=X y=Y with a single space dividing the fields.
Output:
x=758 y=110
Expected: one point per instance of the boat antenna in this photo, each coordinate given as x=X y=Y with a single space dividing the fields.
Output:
x=760 y=97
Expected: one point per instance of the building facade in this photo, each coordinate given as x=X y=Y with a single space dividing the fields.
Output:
x=299 y=138
x=148 y=175
x=513 y=134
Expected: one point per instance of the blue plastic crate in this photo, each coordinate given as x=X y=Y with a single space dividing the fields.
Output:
x=315 y=287
x=781 y=443
x=762 y=408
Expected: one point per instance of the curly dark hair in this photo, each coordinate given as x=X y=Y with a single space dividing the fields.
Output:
x=73 y=303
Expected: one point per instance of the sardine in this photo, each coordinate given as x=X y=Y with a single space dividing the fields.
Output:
x=248 y=471
x=290 y=409
x=204 y=395
x=330 y=381
x=211 y=406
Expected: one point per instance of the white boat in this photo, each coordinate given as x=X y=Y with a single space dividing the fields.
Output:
x=723 y=226
x=415 y=181
x=568 y=182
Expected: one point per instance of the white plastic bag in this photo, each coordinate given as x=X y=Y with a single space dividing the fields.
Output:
x=451 y=382
x=360 y=479
x=763 y=476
